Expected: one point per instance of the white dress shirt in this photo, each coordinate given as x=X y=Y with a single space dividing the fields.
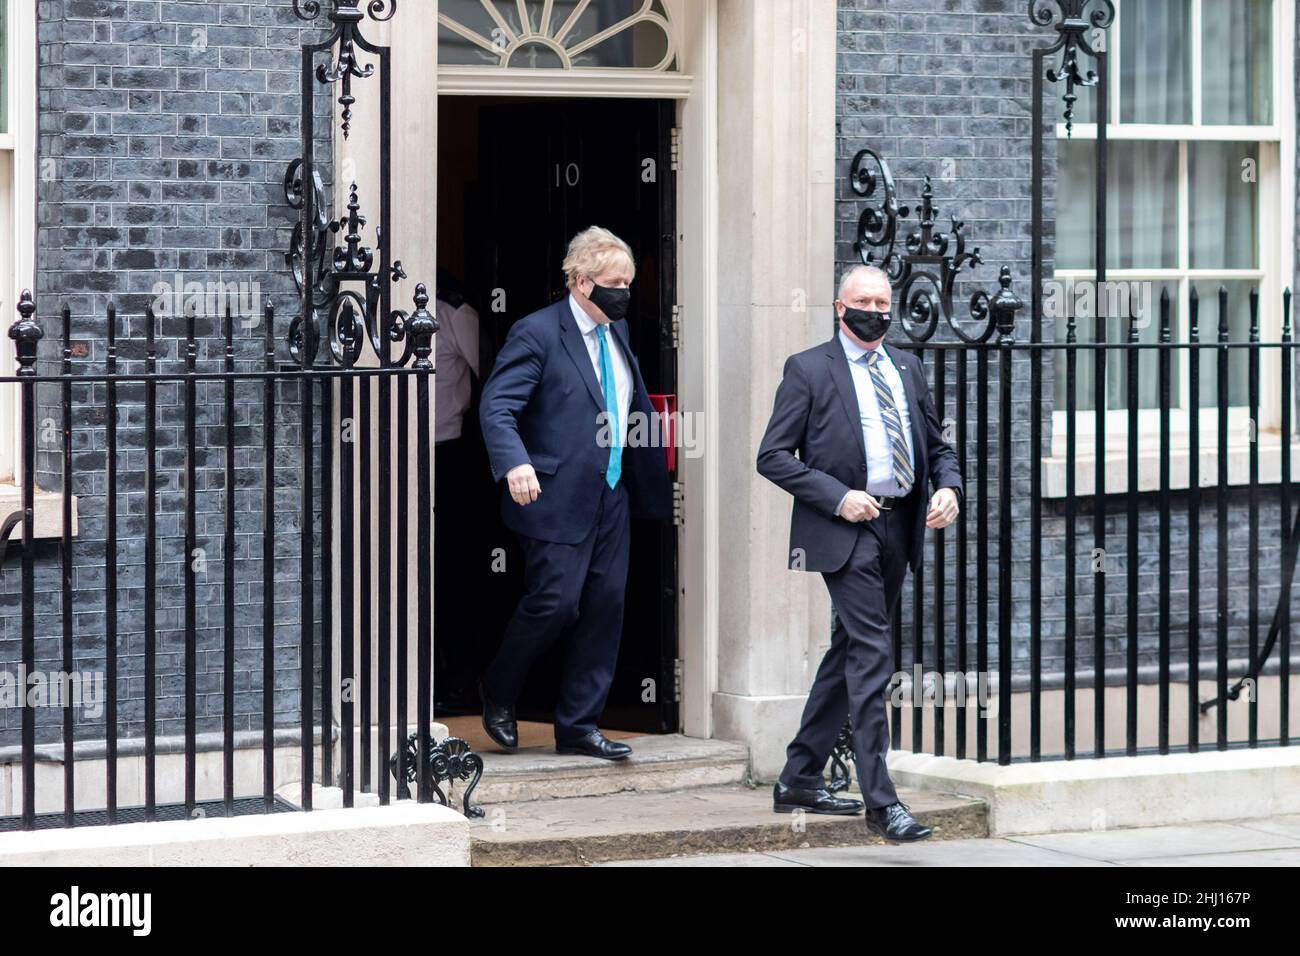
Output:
x=622 y=370
x=880 y=454
x=457 y=357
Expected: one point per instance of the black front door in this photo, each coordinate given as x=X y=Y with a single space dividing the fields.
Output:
x=547 y=170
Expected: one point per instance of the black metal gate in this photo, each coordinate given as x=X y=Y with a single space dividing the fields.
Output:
x=296 y=423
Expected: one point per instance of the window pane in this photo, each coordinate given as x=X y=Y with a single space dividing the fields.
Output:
x=1224 y=205
x=4 y=67
x=1141 y=299
x=597 y=16
x=509 y=11
x=641 y=47
x=1236 y=62
x=1141 y=207
x=473 y=16
x=533 y=40
x=1238 y=317
x=1155 y=61
x=455 y=50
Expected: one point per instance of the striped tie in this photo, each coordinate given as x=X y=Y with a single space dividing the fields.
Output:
x=893 y=424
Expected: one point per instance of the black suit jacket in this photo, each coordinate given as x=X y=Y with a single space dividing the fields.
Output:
x=540 y=406
x=814 y=449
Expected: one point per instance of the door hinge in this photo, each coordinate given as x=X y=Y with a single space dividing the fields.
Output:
x=679 y=504
x=676 y=337
x=676 y=148
x=674 y=675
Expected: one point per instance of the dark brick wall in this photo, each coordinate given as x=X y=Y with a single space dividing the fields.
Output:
x=943 y=88
x=165 y=132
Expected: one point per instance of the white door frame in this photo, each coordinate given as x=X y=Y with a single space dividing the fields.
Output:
x=415 y=240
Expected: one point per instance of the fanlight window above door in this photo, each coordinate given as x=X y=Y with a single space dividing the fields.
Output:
x=556 y=34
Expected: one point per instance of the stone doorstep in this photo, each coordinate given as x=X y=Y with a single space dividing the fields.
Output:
x=635 y=826
x=658 y=763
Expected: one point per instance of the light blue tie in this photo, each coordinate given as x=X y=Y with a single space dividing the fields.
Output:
x=611 y=406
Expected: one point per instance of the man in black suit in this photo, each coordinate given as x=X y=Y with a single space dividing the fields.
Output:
x=854 y=437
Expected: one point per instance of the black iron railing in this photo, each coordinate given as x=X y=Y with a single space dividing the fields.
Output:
x=205 y=459
x=999 y=581
x=378 y=534
x=975 y=364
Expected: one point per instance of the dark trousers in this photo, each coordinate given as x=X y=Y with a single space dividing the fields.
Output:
x=855 y=674
x=573 y=594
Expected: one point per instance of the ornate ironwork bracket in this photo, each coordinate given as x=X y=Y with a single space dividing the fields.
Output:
x=346 y=16
x=450 y=760
x=344 y=291
x=925 y=267
x=1074 y=38
x=842 y=759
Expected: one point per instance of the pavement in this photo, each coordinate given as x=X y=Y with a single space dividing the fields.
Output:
x=1267 y=841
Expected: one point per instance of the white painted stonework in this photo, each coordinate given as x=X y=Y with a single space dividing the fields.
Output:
x=404 y=834
x=1155 y=790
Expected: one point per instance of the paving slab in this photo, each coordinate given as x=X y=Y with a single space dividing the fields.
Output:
x=728 y=860
x=987 y=852
x=1285 y=825
x=1289 y=856
x=620 y=826
x=1171 y=841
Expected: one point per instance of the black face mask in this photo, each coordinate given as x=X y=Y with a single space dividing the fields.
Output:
x=866 y=325
x=613 y=302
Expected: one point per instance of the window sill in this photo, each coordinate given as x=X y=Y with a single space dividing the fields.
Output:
x=48 y=507
x=1055 y=469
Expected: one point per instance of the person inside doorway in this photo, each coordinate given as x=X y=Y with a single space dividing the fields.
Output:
x=457 y=342
x=554 y=418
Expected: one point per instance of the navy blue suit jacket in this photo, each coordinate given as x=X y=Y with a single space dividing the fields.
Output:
x=540 y=406
x=815 y=416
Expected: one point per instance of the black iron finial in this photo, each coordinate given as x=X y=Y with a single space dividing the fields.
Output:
x=422 y=327
x=26 y=333
x=1006 y=304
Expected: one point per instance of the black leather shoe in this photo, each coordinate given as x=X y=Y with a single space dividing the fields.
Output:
x=895 y=824
x=499 y=722
x=456 y=703
x=788 y=799
x=594 y=744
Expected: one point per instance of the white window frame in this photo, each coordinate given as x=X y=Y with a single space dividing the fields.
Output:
x=17 y=211
x=1276 y=225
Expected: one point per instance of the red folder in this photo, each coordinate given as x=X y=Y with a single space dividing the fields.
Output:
x=665 y=407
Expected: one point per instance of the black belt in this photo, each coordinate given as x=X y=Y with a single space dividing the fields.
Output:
x=888 y=503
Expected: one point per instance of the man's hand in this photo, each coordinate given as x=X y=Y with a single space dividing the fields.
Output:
x=859 y=506
x=943 y=509
x=522 y=481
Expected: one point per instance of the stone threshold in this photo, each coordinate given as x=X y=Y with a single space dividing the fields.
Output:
x=657 y=763
x=659 y=825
